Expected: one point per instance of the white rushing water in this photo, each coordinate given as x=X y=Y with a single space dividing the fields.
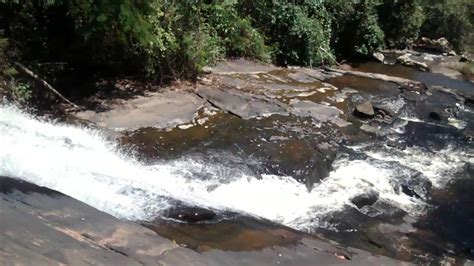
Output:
x=81 y=163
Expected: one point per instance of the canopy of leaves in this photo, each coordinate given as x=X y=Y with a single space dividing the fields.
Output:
x=177 y=38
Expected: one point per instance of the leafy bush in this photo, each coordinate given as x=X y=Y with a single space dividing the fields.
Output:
x=355 y=27
x=453 y=19
x=401 y=21
x=162 y=39
x=238 y=37
x=20 y=92
x=298 y=33
x=368 y=36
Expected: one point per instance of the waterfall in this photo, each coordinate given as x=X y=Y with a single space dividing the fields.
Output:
x=82 y=163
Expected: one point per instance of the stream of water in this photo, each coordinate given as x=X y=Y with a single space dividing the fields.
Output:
x=375 y=190
x=81 y=163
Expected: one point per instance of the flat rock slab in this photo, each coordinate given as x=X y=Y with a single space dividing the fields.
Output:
x=242 y=66
x=241 y=104
x=317 y=73
x=319 y=112
x=161 y=110
x=40 y=226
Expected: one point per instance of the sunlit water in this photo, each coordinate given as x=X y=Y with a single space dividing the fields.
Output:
x=81 y=163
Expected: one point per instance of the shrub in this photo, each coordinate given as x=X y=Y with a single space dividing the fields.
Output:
x=453 y=19
x=355 y=28
x=20 y=92
x=237 y=36
x=159 y=38
x=298 y=33
x=401 y=21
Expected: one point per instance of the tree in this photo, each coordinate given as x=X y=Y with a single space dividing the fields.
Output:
x=401 y=21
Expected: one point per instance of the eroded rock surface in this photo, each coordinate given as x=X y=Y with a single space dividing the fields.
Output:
x=364 y=110
x=253 y=120
x=241 y=104
x=40 y=226
x=159 y=109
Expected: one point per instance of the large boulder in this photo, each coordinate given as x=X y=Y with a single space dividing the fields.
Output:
x=365 y=199
x=440 y=45
x=164 y=109
x=379 y=57
x=408 y=60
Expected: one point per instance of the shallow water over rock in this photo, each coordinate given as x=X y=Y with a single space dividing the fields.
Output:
x=281 y=146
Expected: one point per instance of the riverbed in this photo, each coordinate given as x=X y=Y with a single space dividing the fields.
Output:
x=254 y=149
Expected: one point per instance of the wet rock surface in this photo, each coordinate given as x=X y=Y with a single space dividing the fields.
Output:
x=440 y=45
x=45 y=226
x=254 y=120
x=243 y=105
x=364 y=110
x=161 y=110
x=434 y=65
x=366 y=199
x=304 y=139
x=48 y=228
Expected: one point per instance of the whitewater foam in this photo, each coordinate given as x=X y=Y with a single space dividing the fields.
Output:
x=81 y=163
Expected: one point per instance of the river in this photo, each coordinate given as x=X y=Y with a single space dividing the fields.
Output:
x=376 y=193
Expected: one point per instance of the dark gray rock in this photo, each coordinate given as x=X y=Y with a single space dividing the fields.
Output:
x=320 y=112
x=435 y=116
x=371 y=129
x=190 y=214
x=396 y=144
x=41 y=226
x=468 y=132
x=366 y=199
x=241 y=104
x=418 y=186
x=384 y=114
x=469 y=100
x=411 y=96
x=384 y=111
x=49 y=228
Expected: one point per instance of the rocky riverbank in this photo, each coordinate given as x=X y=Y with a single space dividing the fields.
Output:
x=248 y=152
x=41 y=226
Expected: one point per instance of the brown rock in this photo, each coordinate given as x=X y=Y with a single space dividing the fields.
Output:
x=364 y=110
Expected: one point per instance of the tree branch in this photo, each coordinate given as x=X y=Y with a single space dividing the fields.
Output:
x=43 y=83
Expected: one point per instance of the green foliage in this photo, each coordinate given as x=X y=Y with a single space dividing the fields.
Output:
x=453 y=19
x=173 y=39
x=20 y=92
x=401 y=21
x=15 y=90
x=368 y=36
x=3 y=59
x=356 y=30
x=298 y=33
x=117 y=30
x=238 y=37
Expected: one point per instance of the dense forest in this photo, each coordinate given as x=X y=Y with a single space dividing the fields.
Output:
x=158 y=40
